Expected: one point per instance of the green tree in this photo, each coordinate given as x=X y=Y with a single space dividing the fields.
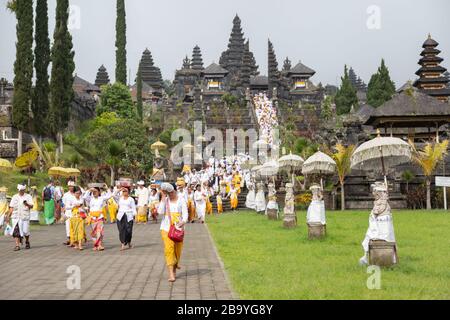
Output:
x=381 y=88
x=23 y=66
x=114 y=157
x=327 y=112
x=63 y=66
x=342 y=157
x=139 y=103
x=40 y=103
x=346 y=95
x=121 y=43
x=116 y=98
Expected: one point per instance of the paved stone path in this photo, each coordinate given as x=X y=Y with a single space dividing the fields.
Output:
x=139 y=273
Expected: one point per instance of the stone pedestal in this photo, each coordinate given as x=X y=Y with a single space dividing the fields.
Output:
x=316 y=231
x=290 y=221
x=272 y=214
x=382 y=253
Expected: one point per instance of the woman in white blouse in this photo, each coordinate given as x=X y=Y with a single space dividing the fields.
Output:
x=175 y=212
x=125 y=218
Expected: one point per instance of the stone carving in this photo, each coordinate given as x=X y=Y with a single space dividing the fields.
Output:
x=260 y=199
x=381 y=230
x=315 y=218
x=272 y=205
x=290 y=218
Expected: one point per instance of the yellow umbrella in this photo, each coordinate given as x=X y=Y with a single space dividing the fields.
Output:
x=5 y=165
x=57 y=172
x=158 y=146
x=27 y=159
x=72 y=172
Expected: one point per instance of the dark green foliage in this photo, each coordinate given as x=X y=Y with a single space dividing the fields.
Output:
x=346 y=95
x=381 y=88
x=139 y=103
x=23 y=66
x=63 y=66
x=121 y=43
x=40 y=103
x=327 y=112
x=117 y=98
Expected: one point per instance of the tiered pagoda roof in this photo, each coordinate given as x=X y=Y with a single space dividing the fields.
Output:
x=273 y=73
x=102 y=77
x=287 y=65
x=249 y=67
x=197 y=60
x=151 y=74
x=431 y=74
x=356 y=81
x=232 y=58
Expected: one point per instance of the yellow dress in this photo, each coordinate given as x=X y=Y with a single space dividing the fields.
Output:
x=209 y=207
x=77 y=231
x=234 y=199
x=219 y=204
x=112 y=208
x=172 y=250
x=191 y=209
x=237 y=183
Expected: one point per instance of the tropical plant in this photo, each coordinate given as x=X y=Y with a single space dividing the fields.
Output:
x=407 y=176
x=427 y=159
x=114 y=157
x=342 y=158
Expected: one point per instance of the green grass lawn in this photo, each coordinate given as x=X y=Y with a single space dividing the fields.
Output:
x=265 y=261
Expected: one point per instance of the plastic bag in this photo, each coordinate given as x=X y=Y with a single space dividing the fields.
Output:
x=8 y=230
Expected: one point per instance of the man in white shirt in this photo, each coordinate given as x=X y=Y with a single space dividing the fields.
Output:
x=142 y=203
x=19 y=212
x=68 y=201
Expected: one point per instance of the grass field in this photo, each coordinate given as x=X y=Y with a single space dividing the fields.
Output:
x=265 y=261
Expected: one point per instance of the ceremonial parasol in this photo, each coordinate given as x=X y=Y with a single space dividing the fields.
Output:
x=381 y=153
x=319 y=163
x=157 y=146
x=269 y=169
x=72 y=172
x=57 y=172
x=5 y=165
x=291 y=162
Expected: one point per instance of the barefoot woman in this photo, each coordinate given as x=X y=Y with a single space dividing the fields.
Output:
x=175 y=213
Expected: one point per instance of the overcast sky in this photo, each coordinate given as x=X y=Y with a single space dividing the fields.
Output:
x=324 y=35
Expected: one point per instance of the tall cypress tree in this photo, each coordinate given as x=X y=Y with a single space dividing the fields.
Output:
x=63 y=67
x=121 y=43
x=346 y=95
x=23 y=66
x=40 y=104
x=139 y=103
x=381 y=88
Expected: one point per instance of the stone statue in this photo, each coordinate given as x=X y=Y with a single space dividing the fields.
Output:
x=158 y=174
x=381 y=226
x=290 y=218
x=316 y=210
x=260 y=198
x=250 y=199
x=272 y=205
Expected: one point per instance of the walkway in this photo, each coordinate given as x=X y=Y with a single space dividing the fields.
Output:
x=140 y=273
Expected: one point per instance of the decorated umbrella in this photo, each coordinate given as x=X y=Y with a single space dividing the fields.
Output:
x=72 y=172
x=5 y=165
x=381 y=153
x=157 y=146
x=57 y=172
x=291 y=162
x=269 y=169
x=319 y=163
x=25 y=161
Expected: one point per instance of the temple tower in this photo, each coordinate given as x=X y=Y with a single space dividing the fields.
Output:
x=431 y=74
x=102 y=77
x=273 y=72
x=151 y=74
x=197 y=60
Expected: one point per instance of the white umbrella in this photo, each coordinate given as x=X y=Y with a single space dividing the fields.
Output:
x=291 y=162
x=319 y=163
x=381 y=153
x=269 y=169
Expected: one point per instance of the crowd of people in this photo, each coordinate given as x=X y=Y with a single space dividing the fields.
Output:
x=266 y=114
x=84 y=211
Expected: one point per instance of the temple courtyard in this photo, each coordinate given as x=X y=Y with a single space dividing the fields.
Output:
x=258 y=260
x=265 y=261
